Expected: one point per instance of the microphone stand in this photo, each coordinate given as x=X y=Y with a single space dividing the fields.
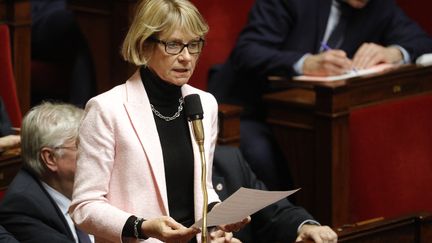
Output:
x=195 y=113
x=199 y=137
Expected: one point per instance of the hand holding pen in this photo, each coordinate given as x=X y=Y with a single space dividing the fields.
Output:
x=326 y=47
x=327 y=63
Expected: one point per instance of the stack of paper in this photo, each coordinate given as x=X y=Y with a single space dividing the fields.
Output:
x=354 y=73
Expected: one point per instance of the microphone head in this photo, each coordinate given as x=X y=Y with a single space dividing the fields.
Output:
x=193 y=108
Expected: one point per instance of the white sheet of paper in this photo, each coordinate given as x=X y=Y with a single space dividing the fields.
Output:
x=375 y=69
x=425 y=59
x=242 y=203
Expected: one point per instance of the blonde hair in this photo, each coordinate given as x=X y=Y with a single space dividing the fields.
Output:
x=153 y=17
x=47 y=125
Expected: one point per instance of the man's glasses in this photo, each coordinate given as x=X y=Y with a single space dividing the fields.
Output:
x=175 y=47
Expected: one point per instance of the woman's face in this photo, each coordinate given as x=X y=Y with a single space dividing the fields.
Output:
x=178 y=68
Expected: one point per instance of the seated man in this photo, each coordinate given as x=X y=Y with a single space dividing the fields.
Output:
x=279 y=222
x=35 y=206
x=293 y=37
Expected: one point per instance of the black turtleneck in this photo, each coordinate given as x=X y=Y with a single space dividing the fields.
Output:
x=176 y=145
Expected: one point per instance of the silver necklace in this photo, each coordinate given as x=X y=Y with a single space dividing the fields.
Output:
x=169 y=118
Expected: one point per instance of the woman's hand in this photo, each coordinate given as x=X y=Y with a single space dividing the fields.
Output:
x=168 y=230
x=220 y=236
x=235 y=226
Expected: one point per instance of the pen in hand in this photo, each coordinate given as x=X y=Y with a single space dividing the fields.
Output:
x=326 y=47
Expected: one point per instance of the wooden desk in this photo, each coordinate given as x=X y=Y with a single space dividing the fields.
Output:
x=229 y=125
x=17 y=15
x=311 y=124
x=414 y=228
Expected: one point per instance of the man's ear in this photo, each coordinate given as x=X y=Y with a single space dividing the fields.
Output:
x=49 y=158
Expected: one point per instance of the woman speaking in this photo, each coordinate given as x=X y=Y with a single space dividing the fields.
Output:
x=139 y=173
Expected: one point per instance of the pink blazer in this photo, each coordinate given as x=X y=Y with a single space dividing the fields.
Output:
x=120 y=168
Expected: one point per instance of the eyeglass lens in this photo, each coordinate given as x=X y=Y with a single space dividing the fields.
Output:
x=174 y=47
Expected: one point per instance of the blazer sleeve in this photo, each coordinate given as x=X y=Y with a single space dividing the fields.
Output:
x=90 y=207
x=402 y=30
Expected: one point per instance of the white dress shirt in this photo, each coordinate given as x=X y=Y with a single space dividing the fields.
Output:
x=63 y=203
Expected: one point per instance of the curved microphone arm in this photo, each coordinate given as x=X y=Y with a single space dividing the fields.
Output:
x=199 y=138
x=195 y=114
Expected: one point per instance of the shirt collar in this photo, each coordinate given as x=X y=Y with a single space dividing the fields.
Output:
x=61 y=200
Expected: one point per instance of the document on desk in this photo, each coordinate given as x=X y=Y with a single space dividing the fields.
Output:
x=354 y=73
x=242 y=203
x=425 y=59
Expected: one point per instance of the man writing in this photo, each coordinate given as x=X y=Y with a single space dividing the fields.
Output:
x=310 y=37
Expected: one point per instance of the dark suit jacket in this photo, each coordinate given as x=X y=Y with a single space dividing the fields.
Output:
x=280 y=32
x=5 y=124
x=6 y=237
x=275 y=223
x=30 y=214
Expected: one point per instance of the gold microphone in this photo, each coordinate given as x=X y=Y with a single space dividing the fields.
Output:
x=195 y=114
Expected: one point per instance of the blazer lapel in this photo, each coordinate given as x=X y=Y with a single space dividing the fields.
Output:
x=137 y=106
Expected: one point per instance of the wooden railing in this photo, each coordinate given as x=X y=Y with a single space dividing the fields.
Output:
x=414 y=228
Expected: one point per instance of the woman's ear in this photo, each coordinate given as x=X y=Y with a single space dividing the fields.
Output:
x=49 y=158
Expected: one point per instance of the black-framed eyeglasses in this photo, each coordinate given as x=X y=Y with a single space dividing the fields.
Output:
x=175 y=47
